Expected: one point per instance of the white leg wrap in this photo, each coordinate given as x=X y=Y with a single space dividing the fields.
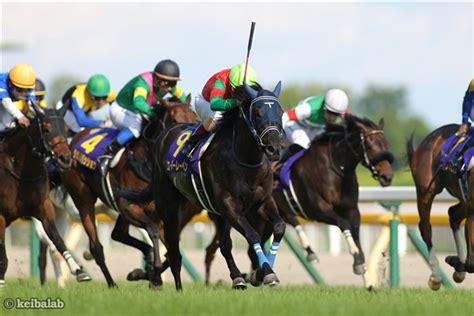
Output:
x=461 y=250
x=353 y=249
x=434 y=264
x=304 y=240
x=73 y=266
x=2 y=283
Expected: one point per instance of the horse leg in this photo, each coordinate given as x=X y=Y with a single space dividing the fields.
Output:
x=469 y=233
x=240 y=222
x=85 y=205
x=303 y=238
x=3 y=253
x=46 y=243
x=456 y=215
x=225 y=244
x=121 y=234
x=211 y=251
x=155 y=276
x=47 y=219
x=353 y=240
x=424 y=202
x=279 y=226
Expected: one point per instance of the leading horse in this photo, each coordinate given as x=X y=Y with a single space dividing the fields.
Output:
x=430 y=179
x=129 y=174
x=232 y=177
x=25 y=185
x=320 y=183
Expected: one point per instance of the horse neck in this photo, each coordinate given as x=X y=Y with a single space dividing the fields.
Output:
x=20 y=147
x=340 y=155
x=244 y=144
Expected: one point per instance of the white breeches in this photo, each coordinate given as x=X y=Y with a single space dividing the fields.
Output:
x=209 y=118
x=301 y=135
x=123 y=118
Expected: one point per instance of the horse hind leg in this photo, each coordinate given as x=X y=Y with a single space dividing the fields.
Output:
x=211 y=250
x=3 y=253
x=424 y=202
x=469 y=234
x=456 y=215
x=302 y=237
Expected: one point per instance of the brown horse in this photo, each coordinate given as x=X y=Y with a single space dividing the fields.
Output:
x=430 y=180
x=128 y=175
x=323 y=183
x=25 y=185
x=236 y=180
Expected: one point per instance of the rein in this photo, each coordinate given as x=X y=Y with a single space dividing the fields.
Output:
x=234 y=155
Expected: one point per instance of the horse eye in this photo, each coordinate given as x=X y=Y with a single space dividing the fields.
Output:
x=259 y=112
x=47 y=127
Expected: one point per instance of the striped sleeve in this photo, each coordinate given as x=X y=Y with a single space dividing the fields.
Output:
x=139 y=101
x=217 y=101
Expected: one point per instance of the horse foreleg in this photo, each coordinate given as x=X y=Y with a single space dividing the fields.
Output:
x=3 y=253
x=225 y=244
x=279 y=226
x=50 y=228
x=121 y=234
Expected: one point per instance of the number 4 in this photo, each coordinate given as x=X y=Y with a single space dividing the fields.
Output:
x=90 y=144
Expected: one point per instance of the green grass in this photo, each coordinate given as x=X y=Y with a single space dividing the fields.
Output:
x=95 y=298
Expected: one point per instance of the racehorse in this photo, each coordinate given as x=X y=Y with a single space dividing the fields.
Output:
x=233 y=179
x=129 y=173
x=430 y=179
x=320 y=183
x=25 y=184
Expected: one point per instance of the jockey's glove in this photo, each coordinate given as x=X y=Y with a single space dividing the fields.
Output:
x=463 y=129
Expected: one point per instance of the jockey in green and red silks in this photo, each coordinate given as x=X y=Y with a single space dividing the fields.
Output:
x=217 y=98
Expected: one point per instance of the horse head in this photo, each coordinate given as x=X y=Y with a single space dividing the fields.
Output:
x=373 y=148
x=262 y=112
x=52 y=131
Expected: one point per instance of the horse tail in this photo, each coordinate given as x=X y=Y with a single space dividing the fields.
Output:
x=410 y=149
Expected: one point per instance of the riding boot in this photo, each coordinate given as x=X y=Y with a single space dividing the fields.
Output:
x=195 y=137
x=109 y=153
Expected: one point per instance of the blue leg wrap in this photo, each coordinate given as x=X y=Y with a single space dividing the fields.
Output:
x=272 y=253
x=124 y=136
x=261 y=256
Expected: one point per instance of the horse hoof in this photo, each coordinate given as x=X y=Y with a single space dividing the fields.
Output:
x=87 y=255
x=82 y=277
x=253 y=279
x=434 y=284
x=370 y=288
x=155 y=286
x=459 y=277
x=136 y=275
x=454 y=262
x=312 y=258
x=239 y=284
x=271 y=279
x=359 y=269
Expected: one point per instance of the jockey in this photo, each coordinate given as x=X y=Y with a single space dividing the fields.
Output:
x=137 y=100
x=309 y=117
x=216 y=98
x=40 y=92
x=467 y=110
x=84 y=98
x=16 y=87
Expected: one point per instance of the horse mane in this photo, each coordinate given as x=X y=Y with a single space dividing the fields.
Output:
x=241 y=95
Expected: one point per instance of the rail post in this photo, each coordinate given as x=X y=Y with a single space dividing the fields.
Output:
x=394 y=207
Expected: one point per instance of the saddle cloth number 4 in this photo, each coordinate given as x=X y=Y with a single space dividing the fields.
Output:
x=90 y=144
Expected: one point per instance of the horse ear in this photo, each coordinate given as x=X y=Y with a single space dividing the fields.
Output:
x=277 y=89
x=381 y=123
x=250 y=91
x=188 y=99
x=38 y=110
x=62 y=110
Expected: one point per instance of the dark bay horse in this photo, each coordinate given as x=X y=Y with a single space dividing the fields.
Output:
x=25 y=184
x=430 y=180
x=235 y=178
x=128 y=175
x=323 y=183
